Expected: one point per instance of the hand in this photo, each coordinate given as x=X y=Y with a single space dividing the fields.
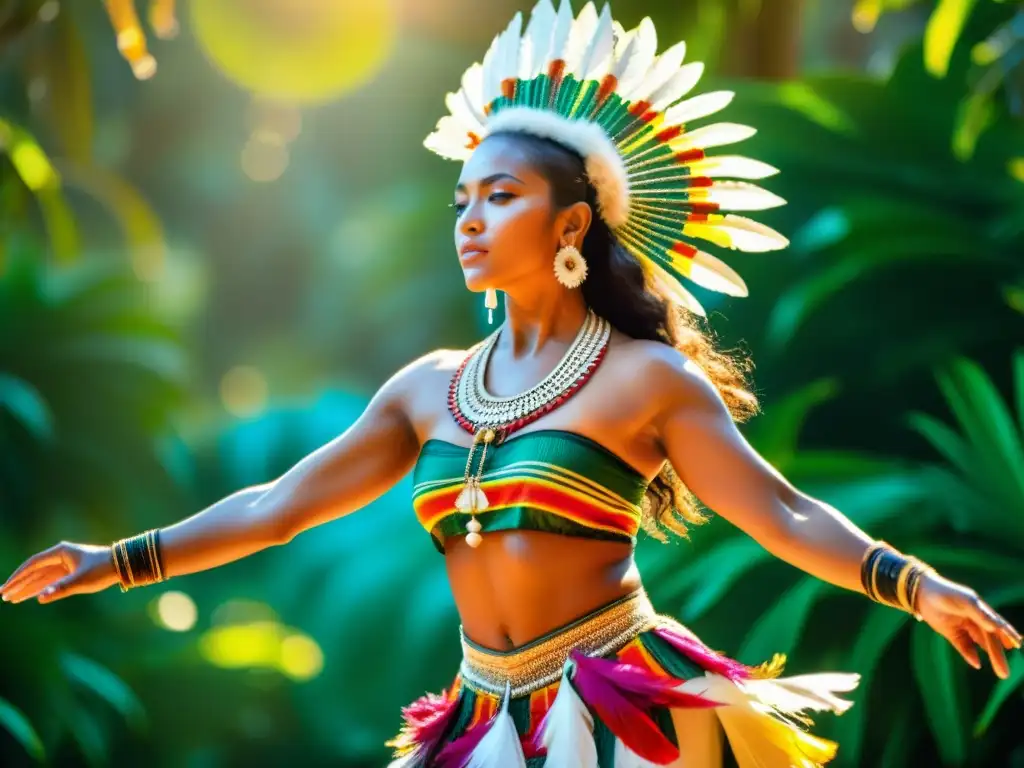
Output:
x=959 y=615
x=62 y=570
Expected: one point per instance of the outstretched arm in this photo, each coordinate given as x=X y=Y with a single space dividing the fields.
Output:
x=716 y=462
x=340 y=477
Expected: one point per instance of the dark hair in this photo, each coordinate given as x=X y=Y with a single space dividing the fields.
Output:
x=616 y=289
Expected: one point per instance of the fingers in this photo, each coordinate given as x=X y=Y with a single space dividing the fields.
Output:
x=992 y=622
x=961 y=640
x=48 y=557
x=29 y=586
x=996 y=656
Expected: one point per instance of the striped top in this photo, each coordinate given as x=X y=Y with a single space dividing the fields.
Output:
x=542 y=480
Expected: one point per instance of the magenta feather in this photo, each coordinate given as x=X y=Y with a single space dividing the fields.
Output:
x=619 y=711
x=708 y=659
x=426 y=721
x=456 y=753
x=642 y=687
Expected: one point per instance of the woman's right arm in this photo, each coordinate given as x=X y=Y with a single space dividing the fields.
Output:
x=342 y=476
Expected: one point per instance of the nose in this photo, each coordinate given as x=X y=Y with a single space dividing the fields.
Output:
x=470 y=223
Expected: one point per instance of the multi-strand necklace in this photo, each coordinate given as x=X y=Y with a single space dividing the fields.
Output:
x=491 y=419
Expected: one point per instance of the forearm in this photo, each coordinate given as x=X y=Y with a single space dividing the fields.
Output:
x=817 y=538
x=224 y=532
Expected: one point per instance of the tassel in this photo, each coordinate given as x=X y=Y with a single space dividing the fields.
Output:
x=567 y=731
x=493 y=745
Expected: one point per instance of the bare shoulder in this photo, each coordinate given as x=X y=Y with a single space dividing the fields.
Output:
x=424 y=372
x=668 y=376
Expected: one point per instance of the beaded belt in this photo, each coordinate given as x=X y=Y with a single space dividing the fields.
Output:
x=540 y=662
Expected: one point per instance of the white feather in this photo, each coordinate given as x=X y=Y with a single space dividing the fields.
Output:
x=737 y=232
x=731 y=166
x=663 y=68
x=449 y=139
x=800 y=692
x=670 y=288
x=714 y=135
x=638 y=57
x=563 y=28
x=710 y=272
x=597 y=59
x=627 y=758
x=461 y=111
x=697 y=107
x=568 y=730
x=580 y=37
x=677 y=86
x=539 y=32
x=500 y=747
x=472 y=88
x=510 y=54
x=737 y=196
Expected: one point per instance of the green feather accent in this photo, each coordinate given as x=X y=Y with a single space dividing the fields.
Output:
x=543 y=91
x=648 y=154
x=567 y=95
x=610 y=112
x=584 y=104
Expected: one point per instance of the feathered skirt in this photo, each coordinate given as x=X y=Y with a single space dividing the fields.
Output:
x=621 y=687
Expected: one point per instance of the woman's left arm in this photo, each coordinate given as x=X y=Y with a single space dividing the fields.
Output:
x=716 y=462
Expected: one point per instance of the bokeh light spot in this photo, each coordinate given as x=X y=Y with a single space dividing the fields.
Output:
x=244 y=391
x=264 y=160
x=176 y=611
x=300 y=51
x=301 y=657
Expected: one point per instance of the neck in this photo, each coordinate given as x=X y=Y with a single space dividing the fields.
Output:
x=534 y=319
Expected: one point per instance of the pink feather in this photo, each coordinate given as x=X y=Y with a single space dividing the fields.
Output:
x=456 y=753
x=708 y=659
x=617 y=709
x=426 y=721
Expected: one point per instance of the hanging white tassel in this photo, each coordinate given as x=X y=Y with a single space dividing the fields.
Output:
x=500 y=747
x=569 y=729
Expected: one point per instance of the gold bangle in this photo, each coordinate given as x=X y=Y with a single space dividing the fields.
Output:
x=155 y=561
x=901 y=584
x=117 y=567
x=127 y=563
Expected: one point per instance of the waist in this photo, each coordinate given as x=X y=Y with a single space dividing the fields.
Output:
x=540 y=662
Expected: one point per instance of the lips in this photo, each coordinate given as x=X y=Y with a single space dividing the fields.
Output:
x=471 y=251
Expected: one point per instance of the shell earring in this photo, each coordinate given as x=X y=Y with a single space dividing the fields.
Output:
x=570 y=266
x=491 y=303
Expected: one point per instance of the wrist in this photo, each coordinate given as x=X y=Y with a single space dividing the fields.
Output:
x=892 y=578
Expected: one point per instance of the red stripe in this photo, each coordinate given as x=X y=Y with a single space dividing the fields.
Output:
x=689 y=155
x=670 y=133
x=508 y=88
x=700 y=211
x=639 y=108
x=684 y=249
x=699 y=181
x=531 y=494
x=556 y=69
x=607 y=87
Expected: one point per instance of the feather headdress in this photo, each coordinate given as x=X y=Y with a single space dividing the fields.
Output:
x=605 y=93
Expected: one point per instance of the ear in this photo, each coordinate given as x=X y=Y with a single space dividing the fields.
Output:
x=573 y=223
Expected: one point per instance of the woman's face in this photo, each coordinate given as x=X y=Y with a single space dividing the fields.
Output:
x=506 y=230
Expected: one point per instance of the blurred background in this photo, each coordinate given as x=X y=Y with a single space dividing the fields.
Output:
x=218 y=241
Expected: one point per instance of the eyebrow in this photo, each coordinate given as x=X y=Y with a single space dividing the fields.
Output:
x=488 y=180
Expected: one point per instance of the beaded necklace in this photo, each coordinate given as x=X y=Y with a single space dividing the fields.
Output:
x=492 y=419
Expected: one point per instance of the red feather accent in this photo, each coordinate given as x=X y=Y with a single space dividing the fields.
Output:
x=708 y=659
x=617 y=709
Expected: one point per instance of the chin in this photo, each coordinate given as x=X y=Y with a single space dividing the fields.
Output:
x=478 y=280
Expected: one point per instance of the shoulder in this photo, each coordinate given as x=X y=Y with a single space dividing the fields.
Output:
x=424 y=371
x=670 y=379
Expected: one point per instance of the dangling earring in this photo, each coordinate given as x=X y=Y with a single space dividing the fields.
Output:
x=491 y=302
x=570 y=266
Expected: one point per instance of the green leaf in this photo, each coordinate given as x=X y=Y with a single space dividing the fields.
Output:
x=776 y=433
x=1000 y=694
x=27 y=405
x=720 y=568
x=779 y=628
x=941 y=679
x=872 y=641
x=105 y=684
x=15 y=723
x=942 y=33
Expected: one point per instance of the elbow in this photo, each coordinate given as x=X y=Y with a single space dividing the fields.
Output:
x=272 y=522
x=787 y=520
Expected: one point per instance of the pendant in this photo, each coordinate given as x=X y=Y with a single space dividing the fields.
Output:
x=471 y=498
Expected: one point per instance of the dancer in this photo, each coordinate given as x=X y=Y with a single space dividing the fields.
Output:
x=595 y=409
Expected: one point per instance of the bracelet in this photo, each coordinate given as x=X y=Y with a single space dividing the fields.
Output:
x=137 y=560
x=892 y=578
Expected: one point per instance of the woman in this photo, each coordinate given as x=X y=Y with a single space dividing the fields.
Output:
x=595 y=409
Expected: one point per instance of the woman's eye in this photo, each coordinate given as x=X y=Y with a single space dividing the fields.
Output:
x=457 y=207
x=501 y=196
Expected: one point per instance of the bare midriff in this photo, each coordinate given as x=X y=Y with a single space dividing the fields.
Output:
x=520 y=585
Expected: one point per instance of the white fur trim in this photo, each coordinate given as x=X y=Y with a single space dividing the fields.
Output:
x=604 y=164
